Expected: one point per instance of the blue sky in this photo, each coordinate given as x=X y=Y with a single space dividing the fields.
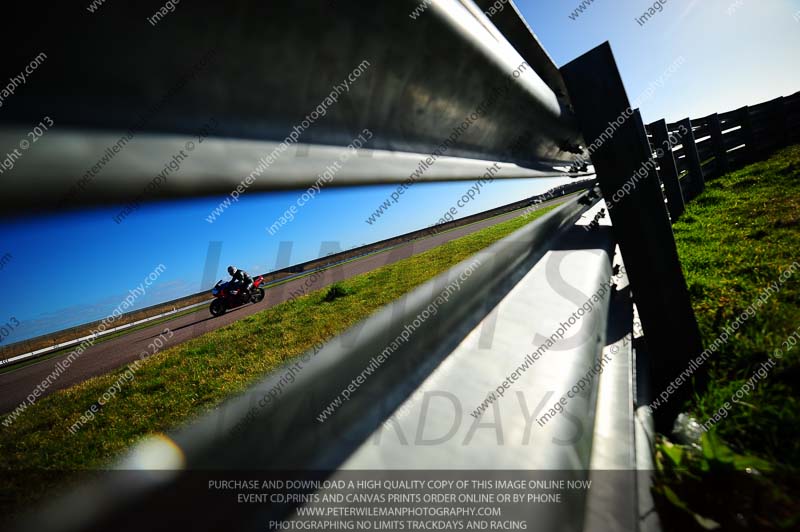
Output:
x=74 y=268
x=737 y=52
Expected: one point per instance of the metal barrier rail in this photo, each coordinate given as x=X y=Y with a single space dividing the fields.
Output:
x=250 y=83
x=253 y=433
x=466 y=64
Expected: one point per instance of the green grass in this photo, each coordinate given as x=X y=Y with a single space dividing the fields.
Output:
x=334 y=292
x=180 y=383
x=734 y=240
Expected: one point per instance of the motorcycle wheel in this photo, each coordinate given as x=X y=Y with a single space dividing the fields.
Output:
x=257 y=296
x=217 y=308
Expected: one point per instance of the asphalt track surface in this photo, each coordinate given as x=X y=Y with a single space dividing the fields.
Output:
x=109 y=355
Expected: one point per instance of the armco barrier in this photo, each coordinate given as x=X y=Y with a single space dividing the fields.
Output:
x=446 y=344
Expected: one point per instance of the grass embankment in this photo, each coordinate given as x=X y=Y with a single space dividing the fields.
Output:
x=180 y=383
x=735 y=240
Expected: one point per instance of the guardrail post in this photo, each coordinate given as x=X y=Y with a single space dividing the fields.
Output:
x=668 y=170
x=697 y=183
x=640 y=221
x=720 y=153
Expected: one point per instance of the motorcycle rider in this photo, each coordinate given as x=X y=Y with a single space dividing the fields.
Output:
x=239 y=278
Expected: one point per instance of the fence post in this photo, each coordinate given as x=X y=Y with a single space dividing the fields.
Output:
x=783 y=121
x=668 y=170
x=639 y=222
x=697 y=183
x=720 y=153
x=791 y=106
x=747 y=134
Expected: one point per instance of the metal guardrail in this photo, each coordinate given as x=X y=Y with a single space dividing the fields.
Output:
x=258 y=76
x=411 y=98
x=505 y=287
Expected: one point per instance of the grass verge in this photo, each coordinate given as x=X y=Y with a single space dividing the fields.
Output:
x=181 y=383
x=734 y=240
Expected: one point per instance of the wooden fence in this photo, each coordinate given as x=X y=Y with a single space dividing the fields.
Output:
x=710 y=146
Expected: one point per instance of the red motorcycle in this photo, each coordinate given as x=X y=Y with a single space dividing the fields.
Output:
x=228 y=297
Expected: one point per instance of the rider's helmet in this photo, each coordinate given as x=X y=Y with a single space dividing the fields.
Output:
x=232 y=270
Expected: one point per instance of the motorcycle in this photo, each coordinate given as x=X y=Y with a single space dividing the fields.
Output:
x=227 y=297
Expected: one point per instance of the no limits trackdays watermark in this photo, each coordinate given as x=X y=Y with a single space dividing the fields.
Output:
x=432 y=431
x=261 y=398
x=512 y=424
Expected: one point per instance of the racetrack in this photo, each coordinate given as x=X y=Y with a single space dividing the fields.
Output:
x=110 y=354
